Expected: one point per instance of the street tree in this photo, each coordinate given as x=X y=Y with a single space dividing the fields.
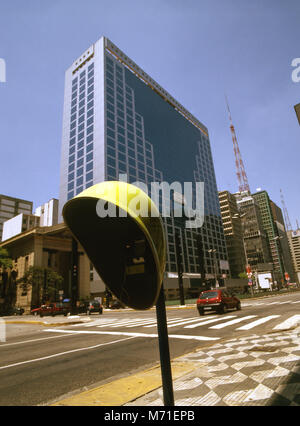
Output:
x=45 y=283
x=5 y=261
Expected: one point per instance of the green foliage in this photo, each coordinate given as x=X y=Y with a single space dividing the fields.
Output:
x=243 y=275
x=45 y=283
x=5 y=260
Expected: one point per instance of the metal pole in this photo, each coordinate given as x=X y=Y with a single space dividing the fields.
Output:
x=216 y=268
x=179 y=269
x=163 y=340
x=74 y=276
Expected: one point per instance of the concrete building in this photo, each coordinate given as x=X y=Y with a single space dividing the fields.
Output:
x=294 y=244
x=273 y=225
x=282 y=241
x=233 y=231
x=45 y=215
x=118 y=120
x=47 y=247
x=48 y=213
x=255 y=238
x=10 y=207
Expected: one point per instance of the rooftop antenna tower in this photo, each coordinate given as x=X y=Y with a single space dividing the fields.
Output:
x=240 y=169
x=285 y=213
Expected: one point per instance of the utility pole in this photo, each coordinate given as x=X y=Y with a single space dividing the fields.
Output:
x=201 y=258
x=179 y=268
x=213 y=258
x=74 y=275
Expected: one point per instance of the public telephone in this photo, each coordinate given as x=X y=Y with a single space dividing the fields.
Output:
x=127 y=251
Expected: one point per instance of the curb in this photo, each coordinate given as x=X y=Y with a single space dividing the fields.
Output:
x=45 y=324
x=127 y=389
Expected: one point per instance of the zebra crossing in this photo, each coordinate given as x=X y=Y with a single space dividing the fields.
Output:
x=212 y=322
x=270 y=303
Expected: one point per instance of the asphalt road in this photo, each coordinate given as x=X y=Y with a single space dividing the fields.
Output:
x=40 y=364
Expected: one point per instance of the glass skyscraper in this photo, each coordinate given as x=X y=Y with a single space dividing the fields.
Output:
x=118 y=120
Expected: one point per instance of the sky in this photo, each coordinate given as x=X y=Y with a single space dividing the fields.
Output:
x=198 y=50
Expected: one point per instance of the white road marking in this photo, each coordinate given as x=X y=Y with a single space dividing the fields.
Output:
x=30 y=341
x=257 y=322
x=63 y=353
x=120 y=333
x=93 y=322
x=235 y=321
x=208 y=321
x=121 y=322
x=142 y=323
x=178 y=321
x=187 y=322
x=290 y=322
x=130 y=322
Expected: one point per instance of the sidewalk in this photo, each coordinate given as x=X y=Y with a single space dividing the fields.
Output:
x=47 y=321
x=255 y=370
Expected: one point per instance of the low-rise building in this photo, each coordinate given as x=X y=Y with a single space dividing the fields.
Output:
x=48 y=247
x=45 y=215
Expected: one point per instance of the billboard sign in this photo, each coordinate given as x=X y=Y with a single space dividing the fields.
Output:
x=265 y=280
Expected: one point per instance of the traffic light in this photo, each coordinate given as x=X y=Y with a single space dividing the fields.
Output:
x=120 y=229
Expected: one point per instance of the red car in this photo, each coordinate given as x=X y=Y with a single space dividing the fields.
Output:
x=51 y=309
x=218 y=300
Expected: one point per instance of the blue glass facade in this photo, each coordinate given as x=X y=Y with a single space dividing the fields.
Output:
x=149 y=140
x=117 y=120
x=80 y=164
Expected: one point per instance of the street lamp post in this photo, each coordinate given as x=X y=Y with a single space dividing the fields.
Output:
x=213 y=251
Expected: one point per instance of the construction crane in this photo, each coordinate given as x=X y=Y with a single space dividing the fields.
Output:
x=285 y=213
x=240 y=169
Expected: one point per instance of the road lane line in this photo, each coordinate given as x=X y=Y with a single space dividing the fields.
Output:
x=257 y=322
x=123 y=333
x=199 y=324
x=63 y=353
x=31 y=340
x=93 y=322
x=187 y=322
x=290 y=322
x=172 y=321
x=175 y=323
x=119 y=323
x=154 y=321
x=235 y=321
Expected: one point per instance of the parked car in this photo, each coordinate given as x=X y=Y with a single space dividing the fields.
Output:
x=36 y=311
x=16 y=310
x=56 y=308
x=218 y=300
x=116 y=304
x=11 y=310
x=89 y=306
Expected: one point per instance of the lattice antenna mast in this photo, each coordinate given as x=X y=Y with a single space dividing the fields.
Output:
x=240 y=169
x=285 y=213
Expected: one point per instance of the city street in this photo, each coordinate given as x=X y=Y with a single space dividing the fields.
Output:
x=42 y=363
